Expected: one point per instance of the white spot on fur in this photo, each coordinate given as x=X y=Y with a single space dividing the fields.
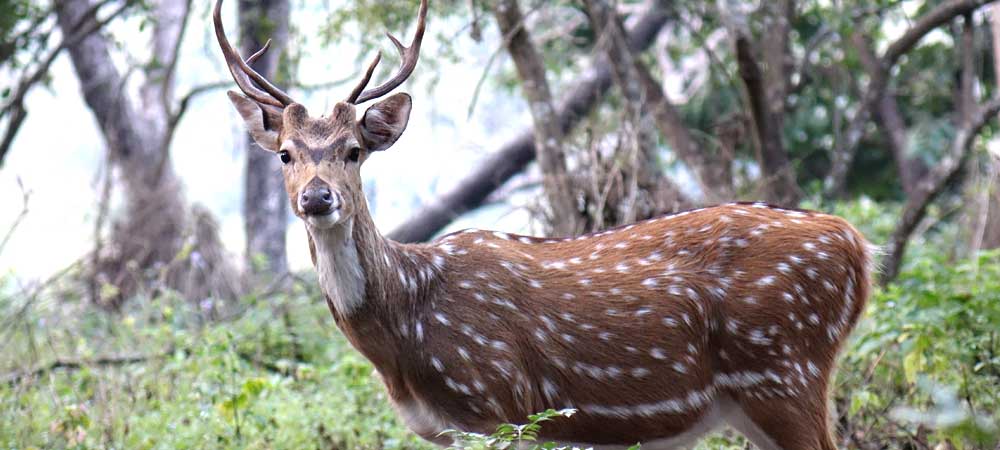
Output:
x=766 y=281
x=640 y=372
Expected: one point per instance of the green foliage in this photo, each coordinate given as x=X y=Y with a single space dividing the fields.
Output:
x=364 y=23
x=508 y=436
x=249 y=382
x=18 y=18
x=930 y=351
x=876 y=221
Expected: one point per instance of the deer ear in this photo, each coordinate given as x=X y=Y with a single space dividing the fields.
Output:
x=262 y=121
x=385 y=121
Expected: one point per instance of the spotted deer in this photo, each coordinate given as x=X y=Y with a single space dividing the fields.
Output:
x=655 y=332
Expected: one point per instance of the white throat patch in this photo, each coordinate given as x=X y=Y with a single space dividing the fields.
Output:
x=340 y=274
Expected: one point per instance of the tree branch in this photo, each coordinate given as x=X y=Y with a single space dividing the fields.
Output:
x=174 y=55
x=967 y=73
x=84 y=27
x=887 y=115
x=182 y=104
x=157 y=89
x=841 y=162
x=514 y=156
x=806 y=64
x=74 y=364
x=940 y=15
x=933 y=184
x=25 y=197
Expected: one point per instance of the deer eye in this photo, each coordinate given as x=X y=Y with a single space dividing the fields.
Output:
x=354 y=154
x=284 y=157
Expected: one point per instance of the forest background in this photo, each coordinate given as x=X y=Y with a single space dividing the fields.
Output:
x=146 y=246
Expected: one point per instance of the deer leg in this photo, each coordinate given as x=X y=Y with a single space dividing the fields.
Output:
x=797 y=423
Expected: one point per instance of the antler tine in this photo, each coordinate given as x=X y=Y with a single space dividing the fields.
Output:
x=241 y=71
x=353 y=98
x=409 y=56
x=259 y=53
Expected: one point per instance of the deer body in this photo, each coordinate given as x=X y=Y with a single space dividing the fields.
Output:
x=728 y=314
x=656 y=332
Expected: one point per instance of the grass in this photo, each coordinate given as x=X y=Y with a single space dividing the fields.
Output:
x=277 y=375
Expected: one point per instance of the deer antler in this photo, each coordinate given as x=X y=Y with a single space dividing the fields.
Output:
x=409 y=56
x=241 y=71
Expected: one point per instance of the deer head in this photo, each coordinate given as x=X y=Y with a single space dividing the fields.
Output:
x=321 y=156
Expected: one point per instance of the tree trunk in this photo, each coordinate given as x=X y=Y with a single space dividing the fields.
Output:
x=149 y=244
x=564 y=217
x=766 y=89
x=265 y=204
x=991 y=229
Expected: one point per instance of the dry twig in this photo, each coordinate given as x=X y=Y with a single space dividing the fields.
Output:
x=25 y=197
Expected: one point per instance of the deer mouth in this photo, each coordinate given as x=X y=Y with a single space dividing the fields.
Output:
x=324 y=220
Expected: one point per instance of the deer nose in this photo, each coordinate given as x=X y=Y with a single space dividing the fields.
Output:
x=316 y=200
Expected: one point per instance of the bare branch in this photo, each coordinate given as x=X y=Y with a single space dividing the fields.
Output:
x=25 y=196
x=74 y=364
x=888 y=115
x=940 y=15
x=933 y=184
x=805 y=66
x=185 y=101
x=171 y=65
x=492 y=59
x=17 y=115
x=182 y=104
x=967 y=75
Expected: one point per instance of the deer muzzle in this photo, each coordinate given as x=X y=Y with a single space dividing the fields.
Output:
x=317 y=199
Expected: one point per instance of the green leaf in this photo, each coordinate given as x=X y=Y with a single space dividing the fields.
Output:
x=913 y=364
x=253 y=386
x=861 y=400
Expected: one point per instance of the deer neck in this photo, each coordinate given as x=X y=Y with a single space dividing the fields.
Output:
x=372 y=286
x=365 y=276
